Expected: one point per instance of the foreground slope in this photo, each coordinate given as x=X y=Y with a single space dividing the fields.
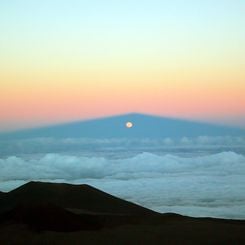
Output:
x=45 y=213
x=82 y=197
x=2 y=196
x=47 y=216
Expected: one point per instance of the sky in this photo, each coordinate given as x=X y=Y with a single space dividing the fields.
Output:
x=69 y=60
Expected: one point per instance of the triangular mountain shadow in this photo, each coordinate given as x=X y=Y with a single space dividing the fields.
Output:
x=144 y=126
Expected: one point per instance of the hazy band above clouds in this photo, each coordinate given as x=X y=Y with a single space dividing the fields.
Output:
x=47 y=145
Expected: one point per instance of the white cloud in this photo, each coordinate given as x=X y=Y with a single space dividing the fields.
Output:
x=146 y=164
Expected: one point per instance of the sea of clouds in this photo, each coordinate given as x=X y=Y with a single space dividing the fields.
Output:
x=192 y=176
x=113 y=147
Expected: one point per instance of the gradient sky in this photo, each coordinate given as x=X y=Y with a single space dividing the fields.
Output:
x=68 y=60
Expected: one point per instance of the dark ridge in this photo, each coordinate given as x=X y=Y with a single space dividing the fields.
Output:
x=49 y=217
x=82 y=197
x=179 y=217
x=81 y=214
x=2 y=195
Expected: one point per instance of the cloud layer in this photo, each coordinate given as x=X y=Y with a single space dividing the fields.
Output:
x=87 y=145
x=210 y=185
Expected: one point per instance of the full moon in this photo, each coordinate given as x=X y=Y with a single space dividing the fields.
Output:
x=129 y=124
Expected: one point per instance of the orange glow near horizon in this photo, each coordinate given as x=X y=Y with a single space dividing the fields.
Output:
x=181 y=65
x=92 y=96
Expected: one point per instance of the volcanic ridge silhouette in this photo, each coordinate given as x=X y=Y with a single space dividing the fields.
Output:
x=39 y=212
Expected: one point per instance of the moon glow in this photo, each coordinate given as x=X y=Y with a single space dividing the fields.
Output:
x=129 y=124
